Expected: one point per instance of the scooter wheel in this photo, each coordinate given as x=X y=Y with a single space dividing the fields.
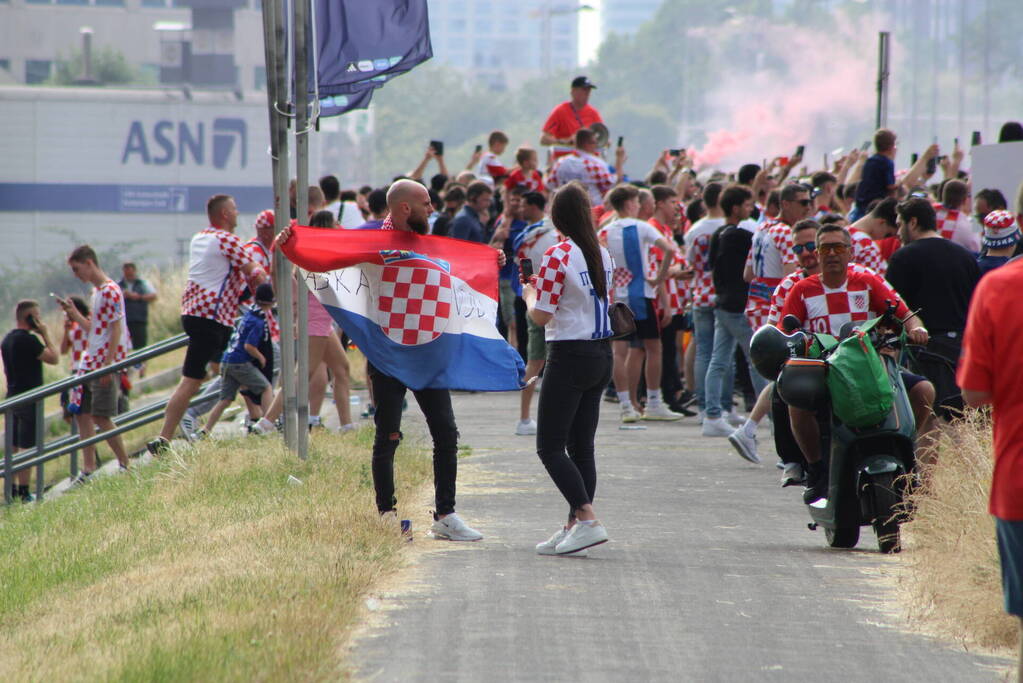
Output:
x=844 y=537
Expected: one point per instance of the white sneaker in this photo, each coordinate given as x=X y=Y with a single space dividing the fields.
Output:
x=716 y=426
x=580 y=537
x=745 y=445
x=344 y=429
x=548 y=546
x=792 y=474
x=188 y=426
x=734 y=419
x=452 y=528
x=659 y=411
x=630 y=414
x=700 y=417
x=264 y=426
x=525 y=428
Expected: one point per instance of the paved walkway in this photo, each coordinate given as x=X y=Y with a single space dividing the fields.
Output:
x=710 y=575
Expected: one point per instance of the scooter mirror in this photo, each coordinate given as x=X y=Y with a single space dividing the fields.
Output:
x=790 y=324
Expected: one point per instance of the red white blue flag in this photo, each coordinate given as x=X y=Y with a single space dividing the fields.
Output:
x=421 y=308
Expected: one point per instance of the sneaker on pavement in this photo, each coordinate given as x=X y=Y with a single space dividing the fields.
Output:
x=681 y=410
x=716 y=426
x=580 y=537
x=792 y=474
x=548 y=546
x=630 y=414
x=158 y=446
x=816 y=482
x=452 y=528
x=80 y=478
x=745 y=445
x=733 y=418
x=687 y=399
x=525 y=427
x=660 y=412
x=610 y=396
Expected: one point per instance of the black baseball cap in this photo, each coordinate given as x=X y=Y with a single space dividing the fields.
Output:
x=582 y=82
x=264 y=294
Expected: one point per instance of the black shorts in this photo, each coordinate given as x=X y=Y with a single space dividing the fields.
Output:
x=910 y=380
x=649 y=327
x=24 y=426
x=207 y=340
x=139 y=333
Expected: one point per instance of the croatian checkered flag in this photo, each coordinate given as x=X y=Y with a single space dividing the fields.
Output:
x=421 y=308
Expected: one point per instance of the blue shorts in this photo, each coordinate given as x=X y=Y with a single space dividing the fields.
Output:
x=1010 y=551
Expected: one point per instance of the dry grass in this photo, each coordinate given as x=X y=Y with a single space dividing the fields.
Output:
x=952 y=573
x=206 y=566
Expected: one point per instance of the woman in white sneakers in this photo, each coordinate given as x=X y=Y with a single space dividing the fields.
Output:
x=569 y=296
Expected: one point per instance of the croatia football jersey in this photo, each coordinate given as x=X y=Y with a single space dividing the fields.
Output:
x=564 y=289
x=215 y=277
x=697 y=253
x=866 y=253
x=107 y=312
x=822 y=309
x=629 y=241
x=786 y=285
x=769 y=253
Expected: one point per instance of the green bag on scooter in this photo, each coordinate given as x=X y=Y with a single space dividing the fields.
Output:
x=861 y=392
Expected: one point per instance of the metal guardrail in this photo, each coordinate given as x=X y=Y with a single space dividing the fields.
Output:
x=43 y=452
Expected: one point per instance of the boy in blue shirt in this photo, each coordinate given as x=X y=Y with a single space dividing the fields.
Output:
x=237 y=366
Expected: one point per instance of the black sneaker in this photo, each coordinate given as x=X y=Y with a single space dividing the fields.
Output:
x=816 y=482
x=681 y=408
x=158 y=446
x=686 y=398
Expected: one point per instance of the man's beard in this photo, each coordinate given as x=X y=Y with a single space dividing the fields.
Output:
x=418 y=225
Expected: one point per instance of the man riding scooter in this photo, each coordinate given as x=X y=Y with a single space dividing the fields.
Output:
x=823 y=304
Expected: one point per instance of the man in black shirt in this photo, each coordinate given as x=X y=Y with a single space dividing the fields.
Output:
x=937 y=277
x=727 y=259
x=23 y=356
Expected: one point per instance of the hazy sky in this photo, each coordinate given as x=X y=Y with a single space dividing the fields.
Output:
x=589 y=32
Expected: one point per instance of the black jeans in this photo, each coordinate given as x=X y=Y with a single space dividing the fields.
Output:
x=388 y=394
x=574 y=379
x=671 y=377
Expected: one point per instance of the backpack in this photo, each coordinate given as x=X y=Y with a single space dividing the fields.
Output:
x=861 y=392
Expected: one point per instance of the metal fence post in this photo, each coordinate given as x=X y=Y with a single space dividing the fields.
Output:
x=40 y=411
x=8 y=456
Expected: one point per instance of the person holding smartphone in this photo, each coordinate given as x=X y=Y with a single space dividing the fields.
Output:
x=23 y=355
x=569 y=296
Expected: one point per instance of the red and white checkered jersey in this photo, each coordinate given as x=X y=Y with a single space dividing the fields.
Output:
x=532 y=182
x=624 y=253
x=955 y=225
x=866 y=253
x=786 y=285
x=863 y=296
x=107 y=312
x=770 y=251
x=490 y=167
x=215 y=278
x=537 y=239
x=592 y=171
x=564 y=289
x=697 y=250
x=674 y=288
x=258 y=252
x=79 y=341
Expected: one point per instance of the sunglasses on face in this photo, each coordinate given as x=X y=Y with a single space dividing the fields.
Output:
x=808 y=247
x=833 y=248
x=804 y=202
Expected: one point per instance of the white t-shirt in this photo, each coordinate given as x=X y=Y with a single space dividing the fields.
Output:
x=564 y=290
x=489 y=164
x=334 y=207
x=350 y=216
x=630 y=246
x=537 y=239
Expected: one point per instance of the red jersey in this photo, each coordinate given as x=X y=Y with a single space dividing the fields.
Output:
x=992 y=347
x=822 y=309
x=676 y=289
x=564 y=120
x=533 y=182
x=888 y=246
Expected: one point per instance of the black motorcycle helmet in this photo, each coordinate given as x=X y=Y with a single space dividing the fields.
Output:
x=803 y=383
x=770 y=348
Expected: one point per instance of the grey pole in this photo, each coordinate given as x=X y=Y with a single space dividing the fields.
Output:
x=882 y=80
x=273 y=37
x=302 y=129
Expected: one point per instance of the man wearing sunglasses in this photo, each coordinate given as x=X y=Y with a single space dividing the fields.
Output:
x=770 y=256
x=823 y=304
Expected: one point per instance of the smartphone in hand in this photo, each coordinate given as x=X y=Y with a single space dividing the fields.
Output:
x=621 y=140
x=526 y=267
x=438 y=147
x=800 y=150
x=865 y=146
x=975 y=140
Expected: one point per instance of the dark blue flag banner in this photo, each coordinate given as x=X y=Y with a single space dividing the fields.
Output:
x=360 y=44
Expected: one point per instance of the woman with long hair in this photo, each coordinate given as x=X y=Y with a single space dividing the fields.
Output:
x=569 y=296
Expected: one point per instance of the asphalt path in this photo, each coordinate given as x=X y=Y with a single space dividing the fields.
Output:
x=710 y=575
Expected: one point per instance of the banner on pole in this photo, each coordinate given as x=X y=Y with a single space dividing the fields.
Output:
x=421 y=308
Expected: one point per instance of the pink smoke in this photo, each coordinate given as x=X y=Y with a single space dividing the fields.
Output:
x=824 y=89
